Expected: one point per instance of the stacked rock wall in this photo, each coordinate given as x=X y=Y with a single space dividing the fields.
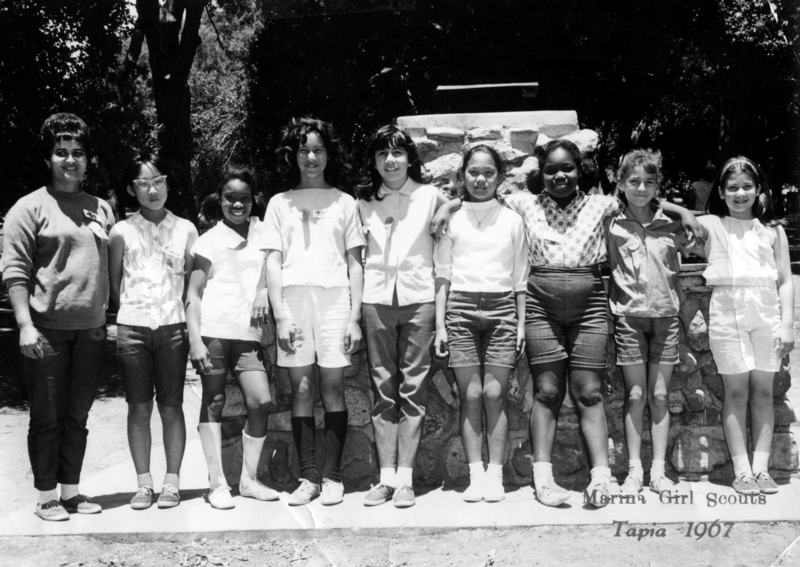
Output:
x=696 y=448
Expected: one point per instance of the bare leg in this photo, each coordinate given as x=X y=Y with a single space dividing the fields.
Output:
x=173 y=427
x=255 y=391
x=657 y=400
x=549 y=388
x=495 y=394
x=471 y=417
x=585 y=389
x=139 y=439
x=762 y=415
x=635 y=376
x=734 y=411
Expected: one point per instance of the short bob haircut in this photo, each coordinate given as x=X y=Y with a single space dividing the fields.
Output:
x=64 y=126
x=337 y=170
x=386 y=137
x=762 y=208
x=543 y=154
x=498 y=163
x=211 y=210
x=648 y=160
x=141 y=158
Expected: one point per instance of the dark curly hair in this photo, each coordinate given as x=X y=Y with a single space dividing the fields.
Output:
x=762 y=208
x=536 y=182
x=64 y=126
x=211 y=210
x=338 y=169
x=389 y=136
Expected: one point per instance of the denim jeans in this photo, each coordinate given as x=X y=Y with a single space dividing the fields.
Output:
x=62 y=386
x=399 y=343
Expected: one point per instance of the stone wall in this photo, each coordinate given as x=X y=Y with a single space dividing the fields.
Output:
x=696 y=448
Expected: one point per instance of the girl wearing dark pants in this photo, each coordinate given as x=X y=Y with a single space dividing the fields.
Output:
x=56 y=270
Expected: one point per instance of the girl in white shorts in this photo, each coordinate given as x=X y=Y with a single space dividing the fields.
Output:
x=315 y=280
x=751 y=312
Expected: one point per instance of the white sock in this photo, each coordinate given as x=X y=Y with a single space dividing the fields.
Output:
x=145 y=479
x=388 y=475
x=251 y=454
x=403 y=477
x=476 y=472
x=46 y=496
x=172 y=479
x=211 y=440
x=542 y=473
x=635 y=469
x=69 y=491
x=760 y=462
x=598 y=472
x=495 y=472
x=657 y=469
x=741 y=465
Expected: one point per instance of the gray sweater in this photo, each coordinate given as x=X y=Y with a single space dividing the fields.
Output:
x=51 y=245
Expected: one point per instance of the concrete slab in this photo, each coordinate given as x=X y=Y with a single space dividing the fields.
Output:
x=437 y=509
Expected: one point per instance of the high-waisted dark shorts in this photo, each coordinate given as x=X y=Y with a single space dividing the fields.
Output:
x=567 y=317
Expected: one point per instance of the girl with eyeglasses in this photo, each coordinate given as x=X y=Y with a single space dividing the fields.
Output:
x=149 y=266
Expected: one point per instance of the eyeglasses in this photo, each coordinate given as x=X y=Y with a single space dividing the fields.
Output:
x=157 y=182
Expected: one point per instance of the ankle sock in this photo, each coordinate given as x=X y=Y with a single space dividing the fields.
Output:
x=335 y=433
x=657 y=469
x=46 y=496
x=304 y=435
x=494 y=472
x=542 y=473
x=145 y=479
x=760 y=462
x=172 y=479
x=741 y=465
x=600 y=472
x=403 y=477
x=388 y=476
x=476 y=472
x=635 y=469
x=69 y=491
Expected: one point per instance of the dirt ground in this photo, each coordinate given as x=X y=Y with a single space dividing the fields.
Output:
x=746 y=545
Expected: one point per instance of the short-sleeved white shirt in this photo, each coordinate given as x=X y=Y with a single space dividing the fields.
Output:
x=399 y=244
x=313 y=229
x=236 y=267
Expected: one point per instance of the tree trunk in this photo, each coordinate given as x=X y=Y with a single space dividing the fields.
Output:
x=172 y=34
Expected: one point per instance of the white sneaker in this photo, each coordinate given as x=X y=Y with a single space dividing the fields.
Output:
x=332 y=492
x=252 y=488
x=304 y=493
x=599 y=490
x=220 y=498
x=493 y=490
x=474 y=492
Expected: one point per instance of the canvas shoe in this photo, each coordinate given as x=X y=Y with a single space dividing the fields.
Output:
x=599 y=490
x=632 y=486
x=404 y=497
x=746 y=484
x=766 y=484
x=378 y=495
x=252 y=488
x=661 y=484
x=474 y=492
x=143 y=498
x=170 y=496
x=551 y=494
x=304 y=493
x=332 y=492
x=220 y=498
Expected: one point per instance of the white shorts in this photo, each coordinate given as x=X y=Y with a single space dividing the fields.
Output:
x=743 y=334
x=322 y=314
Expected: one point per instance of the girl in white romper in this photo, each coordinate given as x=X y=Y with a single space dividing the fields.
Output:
x=751 y=312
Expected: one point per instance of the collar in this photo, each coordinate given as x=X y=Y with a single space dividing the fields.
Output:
x=143 y=223
x=659 y=219
x=407 y=188
x=231 y=239
x=548 y=201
